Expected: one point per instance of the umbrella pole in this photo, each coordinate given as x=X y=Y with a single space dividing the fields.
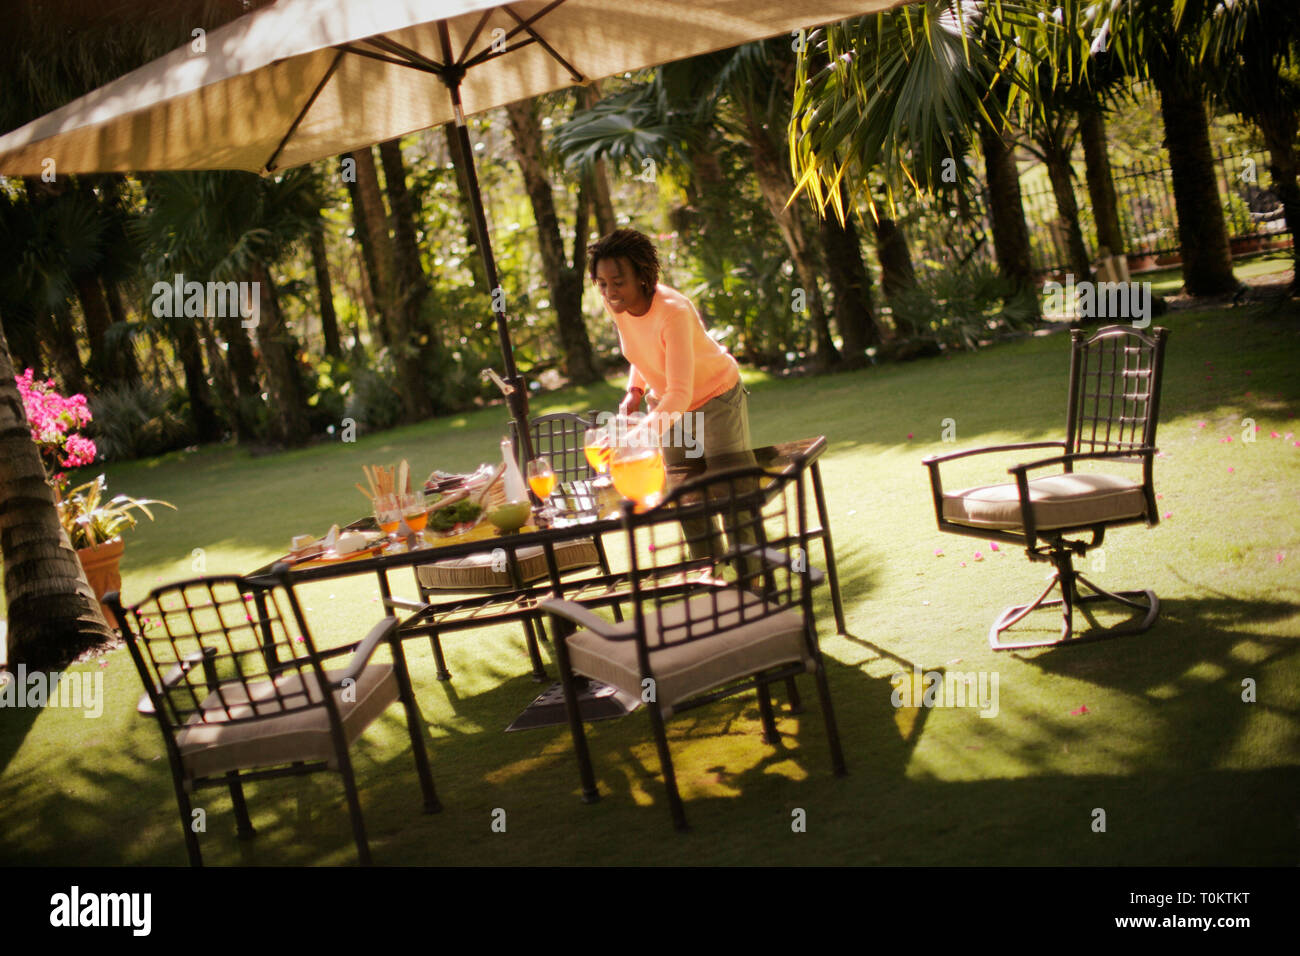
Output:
x=518 y=398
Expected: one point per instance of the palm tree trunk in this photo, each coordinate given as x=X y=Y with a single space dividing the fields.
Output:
x=329 y=322
x=128 y=369
x=381 y=247
x=598 y=178
x=280 y=360
x=1101 y=184
x=1202 y=233
x=370 y=291
x=897 y=276
x=1057 y=160
x=53 y=613
x=565 y=284
x=851 y=284
x=1279 y=129
x=94 y=310
x=1007 y=216
x=775 y=183
x=206 y=424
x=26 y=349
x=62 y=342
x=415 y=344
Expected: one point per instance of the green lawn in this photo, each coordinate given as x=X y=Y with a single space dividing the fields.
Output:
x=1185 y=770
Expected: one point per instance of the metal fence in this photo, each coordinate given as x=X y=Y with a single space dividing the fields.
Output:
x=1145 y=198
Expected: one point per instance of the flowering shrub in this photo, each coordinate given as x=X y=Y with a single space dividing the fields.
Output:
x=54 y=420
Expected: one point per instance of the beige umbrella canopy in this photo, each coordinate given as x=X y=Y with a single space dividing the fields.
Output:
x=306 y=79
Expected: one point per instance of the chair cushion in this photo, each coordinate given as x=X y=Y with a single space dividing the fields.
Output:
x=682 y=670
x=212 y=744
x=475 y=572
x=1059 y=501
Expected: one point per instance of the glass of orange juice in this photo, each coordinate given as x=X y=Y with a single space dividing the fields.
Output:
x=598 y=446
x=388 y=513
x=638 y=473
x=541 y=478
x=415 y=513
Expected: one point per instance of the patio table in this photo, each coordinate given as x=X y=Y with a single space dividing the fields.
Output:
x=597 y=512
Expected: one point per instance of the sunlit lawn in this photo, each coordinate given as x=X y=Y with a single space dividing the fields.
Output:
x=1185 y=770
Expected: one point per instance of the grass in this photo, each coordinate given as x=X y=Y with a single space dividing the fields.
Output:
x=1185 y=770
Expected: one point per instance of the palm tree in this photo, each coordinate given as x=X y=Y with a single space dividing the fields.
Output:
x=1166 y=37
x=1251 y=47
x=53 y=613
x=902 y=94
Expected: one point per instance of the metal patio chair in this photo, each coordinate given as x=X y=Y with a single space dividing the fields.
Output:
x=708 y=617
x=559 y=437
x=235 y=681
x=1111 y=417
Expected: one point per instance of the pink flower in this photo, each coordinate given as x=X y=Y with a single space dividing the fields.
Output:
x=963 y=564
x=1274 y=435
x=1229 y=469
x=1280 y=556
x=1080 y=710
x=938 y=552
x=978 y=556
x=993 y=546
x=1201 y=424
x=1168 y=515
x=909 y=436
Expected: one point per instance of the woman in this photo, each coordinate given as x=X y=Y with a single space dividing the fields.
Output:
x=676 y=366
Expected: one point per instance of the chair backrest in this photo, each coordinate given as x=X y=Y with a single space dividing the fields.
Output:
x=224 y=635
x=559 y=438
x=1114 y=399
x=753 y=566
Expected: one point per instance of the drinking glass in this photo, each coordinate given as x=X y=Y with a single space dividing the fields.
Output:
x=541 y=478
x=388 y=513
x=638 y=473
x=415 y=513
x=598 y=446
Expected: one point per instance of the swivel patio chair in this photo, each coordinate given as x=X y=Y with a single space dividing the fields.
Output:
x=1111 y=416
x=235 y=685
x=708 y=617
x=559 y=437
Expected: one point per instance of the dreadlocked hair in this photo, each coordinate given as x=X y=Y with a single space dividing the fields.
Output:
x=631 y=245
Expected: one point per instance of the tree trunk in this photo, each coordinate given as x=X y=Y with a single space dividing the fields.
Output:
x=53 y=613
x=94 y=310
x=776 y=185
x=381 y=247
x=851 y=284
x=602 y=203
x=123 y=356
x=26 y=344
x=897 y=277
x=371 y=293
x=1279 y=129
x=206 y=425
x=280 y=360
x=413 y=339
x=241 y=373
x=1057 y=160
x=329 y=322
x=1007 y=216
x=1202 y=233
x=62 y=343
x=565 y=285
x=1101 y=184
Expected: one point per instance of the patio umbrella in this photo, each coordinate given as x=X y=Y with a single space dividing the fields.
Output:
x=307 y=79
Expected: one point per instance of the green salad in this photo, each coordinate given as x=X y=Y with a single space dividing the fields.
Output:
x=447 y=518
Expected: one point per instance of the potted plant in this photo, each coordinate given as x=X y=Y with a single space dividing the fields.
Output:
x=94 y=524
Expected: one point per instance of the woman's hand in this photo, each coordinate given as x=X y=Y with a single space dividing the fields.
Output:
x=631 y=401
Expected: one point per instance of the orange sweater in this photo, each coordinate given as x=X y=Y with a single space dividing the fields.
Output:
x=672 y=357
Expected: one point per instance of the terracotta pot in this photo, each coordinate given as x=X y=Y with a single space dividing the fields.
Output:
x=101 y=567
